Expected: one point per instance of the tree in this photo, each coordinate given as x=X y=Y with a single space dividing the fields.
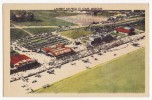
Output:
x=12 y=16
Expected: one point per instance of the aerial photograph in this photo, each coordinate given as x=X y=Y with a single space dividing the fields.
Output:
x=77 y=51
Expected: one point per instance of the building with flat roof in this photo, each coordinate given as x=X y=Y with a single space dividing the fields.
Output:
x=57 y=51
x=22 y=62
x=128 y=31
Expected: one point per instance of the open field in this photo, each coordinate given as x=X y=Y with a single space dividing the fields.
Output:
x=17 y=34
x=76 y=33
x=40 y=30
x=47 y=18
x=116 y=76
x=84 y=19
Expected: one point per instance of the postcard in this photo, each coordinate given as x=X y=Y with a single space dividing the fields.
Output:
x=76 y=49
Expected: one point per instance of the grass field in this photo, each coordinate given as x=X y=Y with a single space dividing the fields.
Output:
x=118 y=34
x=47 y=18
x=84 y=40
x=17 y=34
x=76 y=33
x=40 y=30
x=123 y=75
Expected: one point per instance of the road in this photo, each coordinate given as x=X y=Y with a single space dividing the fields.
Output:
x=15 y=26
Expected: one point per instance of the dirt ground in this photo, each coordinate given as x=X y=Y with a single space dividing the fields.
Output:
x=84 y=19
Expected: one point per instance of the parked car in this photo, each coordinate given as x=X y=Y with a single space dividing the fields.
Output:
x=34 y=81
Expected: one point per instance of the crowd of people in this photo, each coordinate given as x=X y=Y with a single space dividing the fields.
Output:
x=93 y=50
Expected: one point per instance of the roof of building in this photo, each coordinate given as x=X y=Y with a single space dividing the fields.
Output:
x=19 y=59
x=123 y=30
x=58 y=50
